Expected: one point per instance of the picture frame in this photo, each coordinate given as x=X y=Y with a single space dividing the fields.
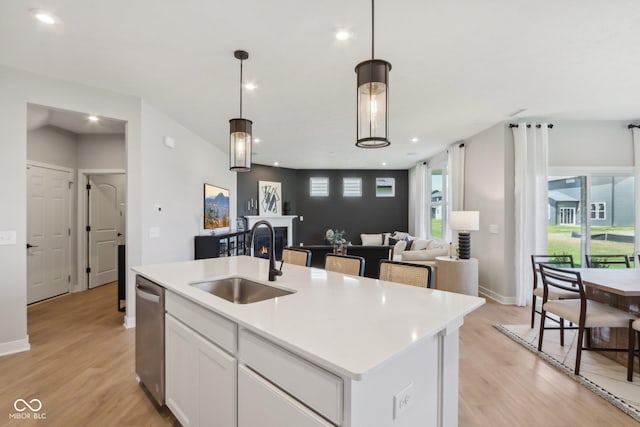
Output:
x=385 y=187
x=270 y=198
x=216 y=208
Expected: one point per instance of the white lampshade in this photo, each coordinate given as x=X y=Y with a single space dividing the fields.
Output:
x=465 y=220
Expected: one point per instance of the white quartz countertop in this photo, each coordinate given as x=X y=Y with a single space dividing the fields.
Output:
x=351 y=325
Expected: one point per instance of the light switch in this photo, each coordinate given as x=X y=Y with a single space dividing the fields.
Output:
x=154 y=232
x=493 y=228
x=301 y=218
x=157 y=208
x=402 y=400
x=7 y=237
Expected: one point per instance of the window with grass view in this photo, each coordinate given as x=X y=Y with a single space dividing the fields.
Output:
x=591 y=214
x=437 y=203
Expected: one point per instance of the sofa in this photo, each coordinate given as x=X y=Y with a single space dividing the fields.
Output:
x=408 y=248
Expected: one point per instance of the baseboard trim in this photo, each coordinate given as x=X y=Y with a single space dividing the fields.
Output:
x=488 y=293
x=16 y=346
x=129 y=322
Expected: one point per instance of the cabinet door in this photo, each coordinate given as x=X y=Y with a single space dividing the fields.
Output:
x=216 y=385
x=201 y=378
x=180 y=371
x=260 y=403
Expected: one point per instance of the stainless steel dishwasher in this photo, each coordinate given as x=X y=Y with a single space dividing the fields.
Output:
x=150 y=337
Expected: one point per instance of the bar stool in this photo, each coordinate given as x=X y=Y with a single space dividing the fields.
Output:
x=405 y=273
x=347 y=264
x=296 y=256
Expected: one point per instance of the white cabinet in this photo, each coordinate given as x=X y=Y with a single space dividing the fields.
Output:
x=262 y=404
x=201 y=378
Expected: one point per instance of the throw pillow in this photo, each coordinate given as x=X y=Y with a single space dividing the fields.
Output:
x=385 y=238
x=409 y=244
x=399 y=246
x=419 y=244
x=371 y=239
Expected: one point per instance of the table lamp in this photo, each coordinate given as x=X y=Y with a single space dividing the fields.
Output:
x=464 y=222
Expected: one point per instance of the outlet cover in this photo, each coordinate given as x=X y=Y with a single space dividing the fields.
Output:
x=402 y=400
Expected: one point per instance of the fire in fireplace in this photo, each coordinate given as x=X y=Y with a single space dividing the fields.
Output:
x=261 y=242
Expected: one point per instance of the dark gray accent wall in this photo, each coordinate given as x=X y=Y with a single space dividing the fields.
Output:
x=355 y=215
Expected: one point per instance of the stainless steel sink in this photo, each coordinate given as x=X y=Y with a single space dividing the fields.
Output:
x=240 y=291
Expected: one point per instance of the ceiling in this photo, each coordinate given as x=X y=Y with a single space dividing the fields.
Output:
x=38 y=116
x=458 y=66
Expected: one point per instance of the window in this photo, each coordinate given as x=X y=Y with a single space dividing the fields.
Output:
x=352 y=187
x=567 y=216
x=319 y=186
x=437 y=202
x=599 y=211
x=385 y=187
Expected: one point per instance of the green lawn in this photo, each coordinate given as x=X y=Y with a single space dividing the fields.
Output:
x=561 y=242
x=436 y=228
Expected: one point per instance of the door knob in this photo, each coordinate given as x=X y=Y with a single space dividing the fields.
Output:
x=119 y=234
x=29 y=246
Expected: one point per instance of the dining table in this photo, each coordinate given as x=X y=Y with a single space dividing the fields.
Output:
x=617 y=287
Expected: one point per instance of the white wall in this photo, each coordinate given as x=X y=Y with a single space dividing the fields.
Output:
x=19 y=88
x=102 y=151
x=489 y=190
x=590 y=143
x=173 y=178
x=52 y=145
x=155 y=174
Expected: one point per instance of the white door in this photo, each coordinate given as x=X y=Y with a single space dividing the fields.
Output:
x=48 y=233
x=106 y=206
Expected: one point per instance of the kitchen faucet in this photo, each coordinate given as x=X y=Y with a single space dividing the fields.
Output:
x=273 y=271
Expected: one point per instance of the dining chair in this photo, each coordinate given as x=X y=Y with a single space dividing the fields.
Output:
x=554 y=260
x=606 y=261
x=405 y=273
x=347 y=264
x=634 y=338
x=296 y=256
x=583 y=312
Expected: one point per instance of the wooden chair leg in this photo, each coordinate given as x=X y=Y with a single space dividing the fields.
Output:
x=533 y=310
x=632 y=350
x=588 y=337
x=561 y=332
x=579 y=349
x=541 y=333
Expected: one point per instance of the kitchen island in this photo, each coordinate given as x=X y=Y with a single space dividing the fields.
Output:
x=338 y=351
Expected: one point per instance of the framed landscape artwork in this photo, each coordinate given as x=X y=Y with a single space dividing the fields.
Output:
x=270 y=198
x=385 y=187
x=216 y=207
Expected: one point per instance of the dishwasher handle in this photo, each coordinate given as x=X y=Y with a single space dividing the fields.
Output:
x=148 y=296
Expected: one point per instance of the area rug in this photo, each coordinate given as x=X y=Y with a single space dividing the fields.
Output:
x=599 y=374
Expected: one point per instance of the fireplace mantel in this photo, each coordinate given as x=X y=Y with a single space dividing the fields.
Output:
x=275 y=221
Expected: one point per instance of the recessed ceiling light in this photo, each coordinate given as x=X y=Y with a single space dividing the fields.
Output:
x=414 y=139
x=384 y=163
x=250 y=86
x=275 y=163
x=44 y=16
x=93 y=118
x=257 y=140
x=343 y=35
x=411 y=153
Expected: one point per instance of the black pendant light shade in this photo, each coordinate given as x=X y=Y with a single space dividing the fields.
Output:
x=373 y=98
x=240 y=132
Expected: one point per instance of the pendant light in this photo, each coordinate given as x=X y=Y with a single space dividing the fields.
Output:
x=373 y=98
x=240 y=132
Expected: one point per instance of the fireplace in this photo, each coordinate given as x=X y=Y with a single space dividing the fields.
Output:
x=261 y=242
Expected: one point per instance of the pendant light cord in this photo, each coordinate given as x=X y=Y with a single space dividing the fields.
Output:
x=241 y=88
x=373 y=23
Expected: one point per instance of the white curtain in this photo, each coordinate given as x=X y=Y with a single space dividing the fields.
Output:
x=455 y=189
x=636 y=162
x=418 y=214
x=531 y=200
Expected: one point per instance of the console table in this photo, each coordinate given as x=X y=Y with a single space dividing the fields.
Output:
x=219 y=245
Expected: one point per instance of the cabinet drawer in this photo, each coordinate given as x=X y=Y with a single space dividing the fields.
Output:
x=312 y=385
x=210 y=325
x=262 y=404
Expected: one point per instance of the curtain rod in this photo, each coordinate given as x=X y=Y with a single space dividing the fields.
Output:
x=633 y=126
x=515 y=125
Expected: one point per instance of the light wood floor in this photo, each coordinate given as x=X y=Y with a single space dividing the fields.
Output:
x=81 y=366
